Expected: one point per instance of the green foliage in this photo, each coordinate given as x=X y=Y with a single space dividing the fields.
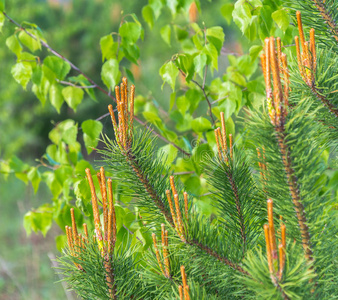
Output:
x=39 y=220
x=237 y=198
x=188 y=42
x=169 y=73
x=295 y=282
x=91 y=132
x=322 y=16
x=126 y=276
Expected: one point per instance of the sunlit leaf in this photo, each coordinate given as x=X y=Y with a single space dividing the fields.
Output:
x=110 y=73
x=166 y=33
x=169 y=73
x=91 y=133
x=22 y=73
x=73 y=96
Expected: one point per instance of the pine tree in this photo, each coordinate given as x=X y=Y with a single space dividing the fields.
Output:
x=274 y=236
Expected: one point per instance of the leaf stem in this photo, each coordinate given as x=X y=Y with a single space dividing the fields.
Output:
x=204 y=93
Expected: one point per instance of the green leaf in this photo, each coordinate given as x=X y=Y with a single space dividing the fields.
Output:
x=73 y=96
x=172 y=100
x=130 y=75
x=254 y=52
x=183 y=104
x=172 y=4
x=181 y=34
x=212 y=52
x=151 y=117
x=83 y=81
x=226 y=11
x=52 y=183
x=41 y=84
x=108 y=47
x=91 y=132
x=281 y=17
x=58 y=66
x=2 y=21
x=246 y=66
x=65 y=131
x=22 y=73
x=31 y=43
x=120 y=213
x=166 y=33
x=2 y=5
x=193 y=186
x=200 y=124
x=242 y=15
x=61 y=242
x=169 y=154
x=14 y=45
x=148 y=15
x=185 y=62
x=183 y=123
x=110 y=73
x=169 y=72
x=40 y=219
x=63 y=173
x=194 y=96
x=131 y=52
x=35 y=177
x=156 y=6
x=55 y=96
x=200 y=155
x=215 y=36
x=83 y=195
x=228 y=107
x=200 y=61
x=130 y=32
x=17 y=165
x=333 y=183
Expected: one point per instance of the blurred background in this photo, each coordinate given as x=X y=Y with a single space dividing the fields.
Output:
x=73 y=28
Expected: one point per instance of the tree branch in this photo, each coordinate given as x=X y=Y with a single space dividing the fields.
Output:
x=294 y=191
x=320 y=5
x=94 y=84
x=77 y=86
x=324 y=100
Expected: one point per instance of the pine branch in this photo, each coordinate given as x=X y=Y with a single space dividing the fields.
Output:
x=145 y=170
x=326 y=15
x=322 y=16
x=214 y=254
x=144 y=180
x=294 y=190
x=278 y=111
x=319 y=95
x=307 y=64
x=235 y=191
x=238 y=206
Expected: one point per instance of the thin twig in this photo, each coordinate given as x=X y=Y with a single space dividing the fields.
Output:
x=77 y=86
x=220 y=99
x=204 y=93
x=161 y=137
x=95 y=85
x=184 y=173
x=205 y=76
